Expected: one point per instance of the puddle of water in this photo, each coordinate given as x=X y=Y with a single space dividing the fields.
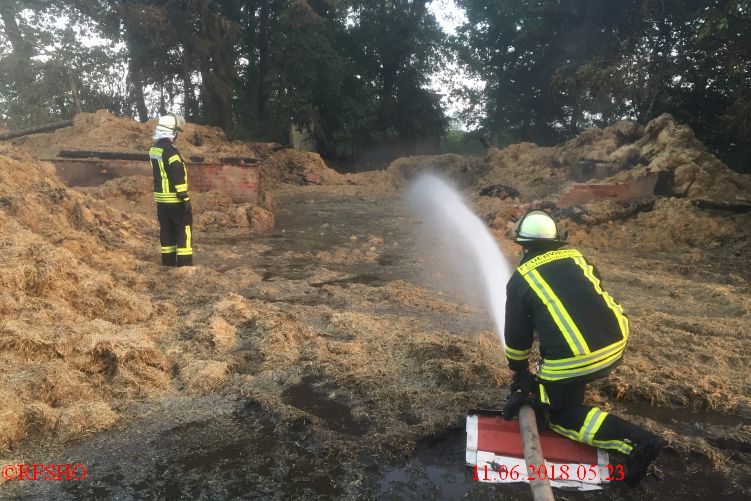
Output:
x=437 y=471
x=308 y=395
x=677 y=416
x=237 y=456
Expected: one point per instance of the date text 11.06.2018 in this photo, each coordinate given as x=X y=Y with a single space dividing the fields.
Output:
x=547 y=472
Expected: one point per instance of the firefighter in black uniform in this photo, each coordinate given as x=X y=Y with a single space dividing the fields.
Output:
x=171 y=193
x=582 y=333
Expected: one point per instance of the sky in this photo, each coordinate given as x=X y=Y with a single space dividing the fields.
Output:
x=451 y=77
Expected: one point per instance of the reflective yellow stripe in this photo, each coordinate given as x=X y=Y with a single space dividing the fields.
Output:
x=179 y=188
x=560 y=316
x=544 y=395
x=565 y=432
x=546 y=258
x=156 y=154
x=616 y=445
x=187 y=250
x=517 y=354
x=169 y=249
x=174 y=158
x=596 y=424
x=592 y=423
x=574 y=362
x=590 y=417
x=569 y=373
x=169 y=198
x=615 y=307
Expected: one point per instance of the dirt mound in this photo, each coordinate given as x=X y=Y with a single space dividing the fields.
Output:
x=281 y=165
x=461 y=170
x=105 y=132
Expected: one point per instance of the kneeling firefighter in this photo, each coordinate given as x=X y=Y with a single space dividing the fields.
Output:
x=171 y=193
x=582 y=333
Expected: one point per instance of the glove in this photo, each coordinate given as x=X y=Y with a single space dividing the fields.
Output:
x=522 y=392
x=525 y=382
x=525 y=391
x=514 y=402
x=187 y=208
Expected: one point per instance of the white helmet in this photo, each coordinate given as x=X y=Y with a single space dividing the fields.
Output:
x=537 y=225
x=171 y=122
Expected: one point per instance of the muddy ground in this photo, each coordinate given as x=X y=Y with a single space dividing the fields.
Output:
x=351 y=365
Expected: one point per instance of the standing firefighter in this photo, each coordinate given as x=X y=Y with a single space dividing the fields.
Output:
x=582 y=333
x=171 y=193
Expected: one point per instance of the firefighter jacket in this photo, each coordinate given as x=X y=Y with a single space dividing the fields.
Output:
x=581 y=329
x=170 y=174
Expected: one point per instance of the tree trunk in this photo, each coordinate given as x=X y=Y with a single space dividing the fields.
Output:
x=188 y=88
x=263 y=55
x=250 y=44
x=217 y=70
x=20 y=65
x=74 y=91
x=21 y=47
x=136 y=84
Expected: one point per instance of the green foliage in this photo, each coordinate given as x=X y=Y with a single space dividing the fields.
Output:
x=47 y=72
x=357 y=72
x=462 y=142
x=554 y=67
x=354 y=71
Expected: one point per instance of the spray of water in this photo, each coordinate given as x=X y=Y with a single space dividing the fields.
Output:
x=465 y=238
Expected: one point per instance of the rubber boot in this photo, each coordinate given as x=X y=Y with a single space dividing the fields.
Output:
x=169 y=259
x=640 y=458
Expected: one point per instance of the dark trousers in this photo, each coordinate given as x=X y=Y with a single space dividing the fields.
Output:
x=570 y=417
x=175 y=236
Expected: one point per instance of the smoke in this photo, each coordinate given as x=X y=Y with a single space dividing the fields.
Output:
x=469 y=255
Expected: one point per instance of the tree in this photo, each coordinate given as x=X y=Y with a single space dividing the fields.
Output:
x=553 y=67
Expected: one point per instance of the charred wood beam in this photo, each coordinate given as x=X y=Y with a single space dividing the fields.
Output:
x=135 y=155
x=105 y=155
x=35 y=130
x=740 y=208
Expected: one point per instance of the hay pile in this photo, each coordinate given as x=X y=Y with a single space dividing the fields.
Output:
x=77 y=332
x=213 y=211
x=104 y=131
x=507 y=181
x=84 y=323
x=616 y=153
x=671 y=224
